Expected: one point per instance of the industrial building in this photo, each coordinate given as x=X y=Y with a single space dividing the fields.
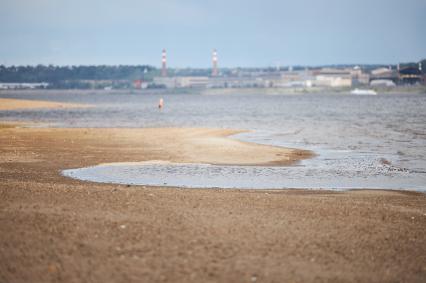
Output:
x=319 y=78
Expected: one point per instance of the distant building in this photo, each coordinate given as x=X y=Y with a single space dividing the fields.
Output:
x=181 y=82
x=137 y=84
x=359 y=77
x=382 y=83
x=289 y=79
x=168 y=82
x=384 y=74
x=192 y=82
x=332 y=81
x=330 y=77
x=410 y=75
x=23 y=85
x=235 y=82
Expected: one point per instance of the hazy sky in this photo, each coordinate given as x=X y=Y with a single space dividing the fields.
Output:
x=245 y=32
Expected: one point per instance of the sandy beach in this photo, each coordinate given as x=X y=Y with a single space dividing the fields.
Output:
x=56 y=229
x=172 y=141
x=14 y=104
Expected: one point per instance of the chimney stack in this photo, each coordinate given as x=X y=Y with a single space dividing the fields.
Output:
x=214 y=63
x=164 y=64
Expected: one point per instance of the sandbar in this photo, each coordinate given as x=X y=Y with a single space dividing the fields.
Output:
x=14 y=104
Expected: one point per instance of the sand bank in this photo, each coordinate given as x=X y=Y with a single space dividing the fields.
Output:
x=56 y=229
x=89 y=146
x=13 y=104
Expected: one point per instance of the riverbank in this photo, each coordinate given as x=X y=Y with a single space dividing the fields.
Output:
x=397 y=90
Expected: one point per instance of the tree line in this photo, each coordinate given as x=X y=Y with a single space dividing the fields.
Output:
x=56 y=74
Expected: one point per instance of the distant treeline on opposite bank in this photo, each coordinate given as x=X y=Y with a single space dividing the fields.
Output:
x=126 y=76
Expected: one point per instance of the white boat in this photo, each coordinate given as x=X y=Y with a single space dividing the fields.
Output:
x=358 y=91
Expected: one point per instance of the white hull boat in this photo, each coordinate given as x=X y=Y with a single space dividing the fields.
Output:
x=358 y=91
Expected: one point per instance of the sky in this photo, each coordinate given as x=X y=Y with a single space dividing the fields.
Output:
x=246 y=33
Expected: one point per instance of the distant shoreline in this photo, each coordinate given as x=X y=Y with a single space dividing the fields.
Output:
x=416 y=89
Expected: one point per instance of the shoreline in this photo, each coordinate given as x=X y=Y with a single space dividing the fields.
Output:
x=398 y=90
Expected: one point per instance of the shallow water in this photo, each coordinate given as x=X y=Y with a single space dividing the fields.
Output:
x=355 y=137
x=247 y=177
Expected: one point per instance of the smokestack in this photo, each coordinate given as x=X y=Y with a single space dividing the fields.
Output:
x=164 y=64
x=214 y=63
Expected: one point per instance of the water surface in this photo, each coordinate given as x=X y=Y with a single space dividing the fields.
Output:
x=361 y=141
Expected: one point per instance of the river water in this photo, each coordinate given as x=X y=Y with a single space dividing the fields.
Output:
x=361 y=141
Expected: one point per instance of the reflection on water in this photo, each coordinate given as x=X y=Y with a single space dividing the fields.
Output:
x=357 y=137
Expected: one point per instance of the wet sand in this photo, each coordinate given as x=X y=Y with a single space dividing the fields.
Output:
x=14 y=104
x=59 y=229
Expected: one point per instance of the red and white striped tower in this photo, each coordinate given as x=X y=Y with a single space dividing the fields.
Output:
x=214 y=63
x=164 y=64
